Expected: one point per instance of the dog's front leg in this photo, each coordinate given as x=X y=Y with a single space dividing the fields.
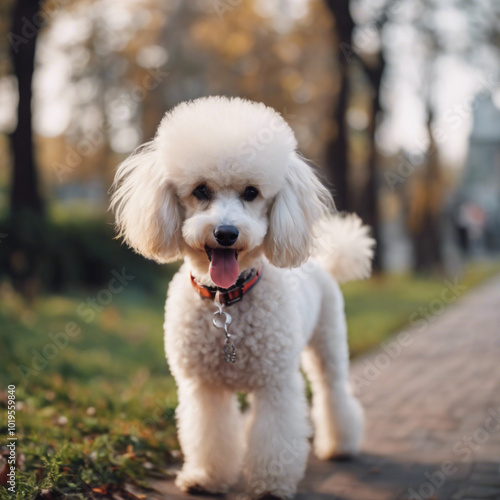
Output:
x=278 y=438
x=211 y=437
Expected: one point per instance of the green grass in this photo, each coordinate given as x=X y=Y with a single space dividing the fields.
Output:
x=101 y=412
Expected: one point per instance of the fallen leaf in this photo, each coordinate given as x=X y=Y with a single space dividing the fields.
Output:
x=103 y=490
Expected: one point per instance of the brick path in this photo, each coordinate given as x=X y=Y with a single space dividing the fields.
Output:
x=432 y=412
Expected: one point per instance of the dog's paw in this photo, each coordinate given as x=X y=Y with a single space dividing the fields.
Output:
x=351 y=432
x=198 y=482
x=335 y=450
x=344 y=439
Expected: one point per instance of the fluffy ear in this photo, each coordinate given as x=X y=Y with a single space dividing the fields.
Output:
x=300 y=204
x=147 y=213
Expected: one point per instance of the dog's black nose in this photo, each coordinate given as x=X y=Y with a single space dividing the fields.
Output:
x=226 y=235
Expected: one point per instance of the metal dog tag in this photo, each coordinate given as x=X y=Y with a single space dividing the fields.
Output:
x=222 y=320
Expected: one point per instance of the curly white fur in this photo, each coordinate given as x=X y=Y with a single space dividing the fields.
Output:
x=294 y=315
x=344 y=247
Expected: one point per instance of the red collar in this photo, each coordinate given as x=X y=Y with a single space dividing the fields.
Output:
x=228 y=296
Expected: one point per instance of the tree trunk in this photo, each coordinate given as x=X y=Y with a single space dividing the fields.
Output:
x=26 y=205
x=337 y=161
x=368 y=208
x=337 y=149
x=425 y=212
x=24 y=193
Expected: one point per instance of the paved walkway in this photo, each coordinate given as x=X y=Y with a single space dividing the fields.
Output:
x=432 y=403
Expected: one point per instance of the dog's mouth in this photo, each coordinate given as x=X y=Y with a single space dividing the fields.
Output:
x=224 y=268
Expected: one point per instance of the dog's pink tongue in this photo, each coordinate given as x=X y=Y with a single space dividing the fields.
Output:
x=224 y=268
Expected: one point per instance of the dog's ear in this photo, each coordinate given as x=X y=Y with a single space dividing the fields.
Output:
x=298 y=206
x=147 y=213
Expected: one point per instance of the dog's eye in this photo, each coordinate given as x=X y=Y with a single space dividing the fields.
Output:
x=250 y=193
x=202 y=192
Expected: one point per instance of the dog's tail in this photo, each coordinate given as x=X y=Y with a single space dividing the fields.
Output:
x=344 y=247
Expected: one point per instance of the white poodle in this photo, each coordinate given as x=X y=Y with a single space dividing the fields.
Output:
x=223 y=187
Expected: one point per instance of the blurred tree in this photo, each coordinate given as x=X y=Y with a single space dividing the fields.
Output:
x=373 y=65
x=337 y=161
x=26 y=204
x=280 y=57
x=258 y=50
x=427 y=189
x=425 y=210
x=475 y=45
x=24 y=193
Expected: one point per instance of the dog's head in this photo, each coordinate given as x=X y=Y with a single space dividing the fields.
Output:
x=221 y=184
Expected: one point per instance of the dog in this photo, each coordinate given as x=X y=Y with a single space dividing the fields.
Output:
x=222 y=186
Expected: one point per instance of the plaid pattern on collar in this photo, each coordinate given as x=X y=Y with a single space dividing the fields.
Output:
x=228 y=296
